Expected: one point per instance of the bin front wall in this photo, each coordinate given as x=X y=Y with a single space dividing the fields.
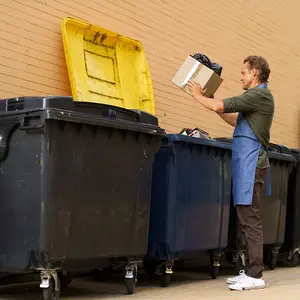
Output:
x=292 y=232
x=20 y=205
x=75 y=193
x=100 y=184
x=273 y=208
x=190 y=200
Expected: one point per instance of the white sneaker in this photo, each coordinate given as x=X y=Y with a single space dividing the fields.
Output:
x=238 y=278
x=248 y=283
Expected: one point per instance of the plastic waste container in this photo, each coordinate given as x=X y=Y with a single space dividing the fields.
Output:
x=190 y=202
x=76 y=187
x=273 y=208
x=291 y=247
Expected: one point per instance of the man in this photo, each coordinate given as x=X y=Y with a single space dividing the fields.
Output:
x=250 y=163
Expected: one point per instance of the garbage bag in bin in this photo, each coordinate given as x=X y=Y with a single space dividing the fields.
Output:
x=273 y=208
x=75 y=184
x=190 y=202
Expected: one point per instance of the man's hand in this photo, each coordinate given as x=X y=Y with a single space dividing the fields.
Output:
x=197 y=92
x=196 y=89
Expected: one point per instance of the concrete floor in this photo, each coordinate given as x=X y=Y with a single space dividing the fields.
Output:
x=282 y=283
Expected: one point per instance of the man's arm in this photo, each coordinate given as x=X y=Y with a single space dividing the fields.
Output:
x=212 y=104
x=229 y=118
x=216 y=105
x=226 y=108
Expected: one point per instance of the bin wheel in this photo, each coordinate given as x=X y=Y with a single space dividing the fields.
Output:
x=165 y=276
x=65 y=279
x=131 y=282
x=130 y=285
x=215 y=272
x=272 y=260
x=50 y=293
x=238 y=265
x=214 y=265
x=290 y=262
x=165 y=279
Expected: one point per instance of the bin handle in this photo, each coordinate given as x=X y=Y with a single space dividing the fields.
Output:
x=31 y=122
x=107 y=110
x=6 y=129
x=165 y=143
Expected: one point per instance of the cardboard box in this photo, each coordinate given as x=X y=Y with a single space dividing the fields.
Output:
x=193 y=69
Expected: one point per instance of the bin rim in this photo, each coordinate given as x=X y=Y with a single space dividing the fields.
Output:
x=296 y=152
x=84 y=118
x=282 y=156
x=197 y=141
x=272 y=154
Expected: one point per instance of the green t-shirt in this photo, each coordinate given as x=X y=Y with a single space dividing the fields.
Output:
x=257 y=105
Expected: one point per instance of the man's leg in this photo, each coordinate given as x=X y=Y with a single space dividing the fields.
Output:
x=251 y=227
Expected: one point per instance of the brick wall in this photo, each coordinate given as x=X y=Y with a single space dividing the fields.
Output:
x=32 y=59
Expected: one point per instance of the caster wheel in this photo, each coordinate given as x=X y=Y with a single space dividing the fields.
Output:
x=290 y=262
x=50 y=293
x=130 y=285
x=238 y=265
x=215 y=272
x=272 y=261
x=65 y=280
x=214 y=266
x=165 y=280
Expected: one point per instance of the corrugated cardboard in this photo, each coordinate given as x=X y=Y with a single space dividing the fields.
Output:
x=193 y=69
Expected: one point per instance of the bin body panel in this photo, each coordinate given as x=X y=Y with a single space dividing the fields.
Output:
x=78 y=190
x=292 y=232
x=273 y=208
x=20 y=213
x=190 y=198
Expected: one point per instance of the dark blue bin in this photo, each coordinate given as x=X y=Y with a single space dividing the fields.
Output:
x=191 y=190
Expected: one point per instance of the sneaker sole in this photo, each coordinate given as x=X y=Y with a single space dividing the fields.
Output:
x=247 y=288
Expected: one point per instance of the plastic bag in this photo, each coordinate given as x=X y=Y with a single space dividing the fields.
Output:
x=208 y=63
x=196 y=132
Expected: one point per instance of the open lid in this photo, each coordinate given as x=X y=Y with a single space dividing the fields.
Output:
x=106 y=67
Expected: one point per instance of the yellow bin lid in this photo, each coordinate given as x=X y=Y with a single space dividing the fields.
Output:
x=106 y=67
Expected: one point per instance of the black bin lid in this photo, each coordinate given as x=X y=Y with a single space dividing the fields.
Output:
x=28 y=104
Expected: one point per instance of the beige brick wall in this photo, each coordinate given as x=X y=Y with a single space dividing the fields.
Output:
x=32 y=59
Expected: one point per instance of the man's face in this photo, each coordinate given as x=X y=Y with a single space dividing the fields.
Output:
x=247 y=76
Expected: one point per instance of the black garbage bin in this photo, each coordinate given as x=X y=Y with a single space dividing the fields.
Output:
x=291 y=247
x=76 y=187
x=190 y=203
x=273 y=208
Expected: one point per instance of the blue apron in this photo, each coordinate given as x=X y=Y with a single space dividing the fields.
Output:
x=245 y=152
